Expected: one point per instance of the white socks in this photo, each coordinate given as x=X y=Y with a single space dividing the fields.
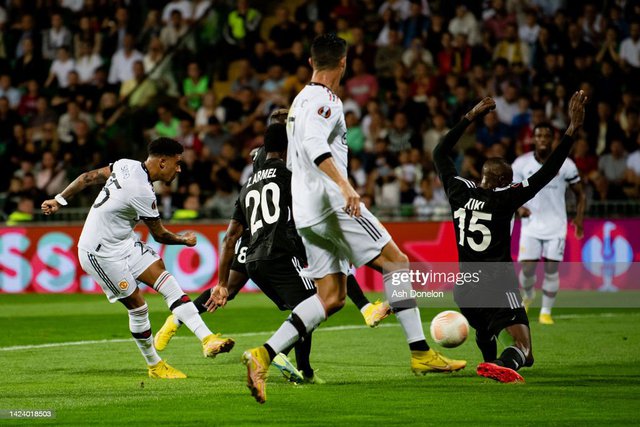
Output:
x=550 y=287
x=305 y=317
x=527 y=283
x=411 y=324
x=184 y=310
x=140 y=328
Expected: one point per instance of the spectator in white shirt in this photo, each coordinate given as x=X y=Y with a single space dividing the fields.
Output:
x=60 y=68
x=183 y=6
x=86 y=63
x=529 y=29
x=122 y=61
x=507 y=105
x=11 y=93
x=465 y=23
x=630 y=48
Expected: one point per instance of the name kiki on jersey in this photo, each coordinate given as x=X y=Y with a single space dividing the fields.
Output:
x=474 y=205
x=260 y=175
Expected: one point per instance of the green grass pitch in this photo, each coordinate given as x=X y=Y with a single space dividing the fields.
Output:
x=587 y=371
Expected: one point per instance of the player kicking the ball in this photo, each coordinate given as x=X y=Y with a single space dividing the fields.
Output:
x=111 y=253
x=544 y=221
x=335 y=227
x=482 y=219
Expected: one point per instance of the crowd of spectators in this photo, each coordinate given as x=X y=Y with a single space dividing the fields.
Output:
x=85 y=82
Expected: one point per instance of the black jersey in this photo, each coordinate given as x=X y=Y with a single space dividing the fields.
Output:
x=264 y=208
x=482 y=218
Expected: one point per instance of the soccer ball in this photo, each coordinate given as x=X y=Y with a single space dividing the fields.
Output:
x=449 y=329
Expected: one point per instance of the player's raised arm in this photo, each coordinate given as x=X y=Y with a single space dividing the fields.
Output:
x=164 y=236
x=442 y=153
x=93 y=177
x=550 y=168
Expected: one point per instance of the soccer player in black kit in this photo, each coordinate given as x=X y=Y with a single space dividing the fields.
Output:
x=482 y=221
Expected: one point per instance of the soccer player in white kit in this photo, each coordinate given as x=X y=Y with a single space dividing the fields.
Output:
x=335 y=227
x=111 y=253
x=544 y=221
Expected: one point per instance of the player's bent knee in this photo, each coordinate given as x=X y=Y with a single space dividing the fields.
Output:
x=334 y=303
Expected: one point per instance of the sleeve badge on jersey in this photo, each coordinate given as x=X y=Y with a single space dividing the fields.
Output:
x=153 y=205
x=325 y=111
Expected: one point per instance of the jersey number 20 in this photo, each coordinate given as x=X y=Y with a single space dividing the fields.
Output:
x=262 y=201
x=461 y=215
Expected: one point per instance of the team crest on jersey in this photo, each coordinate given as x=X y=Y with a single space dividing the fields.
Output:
x=325 y=111
x=123 y=284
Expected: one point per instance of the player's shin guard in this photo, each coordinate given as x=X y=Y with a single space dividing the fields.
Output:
x=181 y=305
x=140 y=328
x=305 y=317
x=527 y=283
x=354 y=292
x=405 y=307
x=550 y=287
x=512 y=357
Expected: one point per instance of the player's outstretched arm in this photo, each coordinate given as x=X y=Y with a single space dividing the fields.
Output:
x=166 y=237
x=552 y=166
x=87 y=179
x=442 y=153
x=220 y=292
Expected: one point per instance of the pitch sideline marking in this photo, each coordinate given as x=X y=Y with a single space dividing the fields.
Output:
x=253 y=334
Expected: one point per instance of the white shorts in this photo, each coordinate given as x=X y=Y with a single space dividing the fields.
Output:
x=533 y=249
x=340 y=240
x=117 y=277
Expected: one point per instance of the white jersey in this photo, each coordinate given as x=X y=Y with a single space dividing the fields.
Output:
x=316 y=129
x=548 y=208
x=126 y=198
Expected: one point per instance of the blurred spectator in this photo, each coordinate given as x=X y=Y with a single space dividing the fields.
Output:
x=529 y=30
x=295 y=83
x=362 y=86
x=51 y=177
x=633 y=168
x=194 y=86
x=55 y=37
x=604 y=130
x=87 y=61
x=188 y=138
x=12 y=94
x=175 y=30
x=60 y=68
x=122 y=61
x=182 y=6
x=497 y=20
x=139 y=90
x=283 y=33
x=158 y=67
x=613 y=165
x=507 y=105
x=190 y=209
x=355 y=136
x=386 y=58
x=585 y=160
x=416 y=53
x=465 y=23
x=23 y=212
x=29 y=65
x=434 y=133
x=415 y=25
x=24 y=30
x=167 y=125
x=242 y=26
x=88 y=35
x=117 y=29
x=68 y=121
x=492 y=132
x=401 y=136
x=511 y=48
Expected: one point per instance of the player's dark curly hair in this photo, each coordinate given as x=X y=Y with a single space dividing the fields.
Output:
x=327 y=50
x=165 y=147
x=544 y=125
x=275 y=138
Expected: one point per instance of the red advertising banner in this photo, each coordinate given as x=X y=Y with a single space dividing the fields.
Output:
x=44 y=259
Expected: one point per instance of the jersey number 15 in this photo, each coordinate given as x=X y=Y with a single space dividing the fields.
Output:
x=461 y=216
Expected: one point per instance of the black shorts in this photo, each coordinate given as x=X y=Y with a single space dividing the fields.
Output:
x=280 y=280
x=489 y=311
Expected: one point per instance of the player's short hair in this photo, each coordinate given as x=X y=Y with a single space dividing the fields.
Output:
x=165 y=147
x=275 y=138
x=544 y=125
x=498 y=171
x=327 y=50
x=279 y=115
